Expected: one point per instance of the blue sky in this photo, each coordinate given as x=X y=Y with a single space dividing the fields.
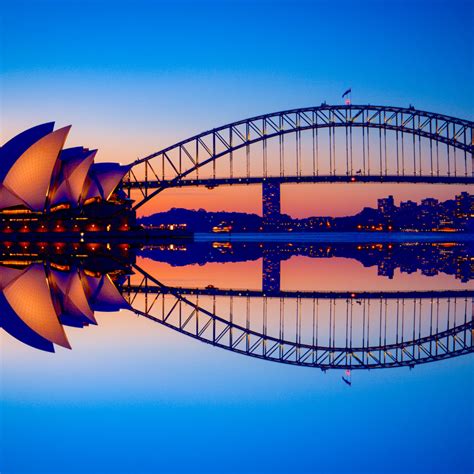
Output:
x=159 y=71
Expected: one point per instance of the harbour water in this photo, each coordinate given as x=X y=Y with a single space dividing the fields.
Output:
x=142 y=390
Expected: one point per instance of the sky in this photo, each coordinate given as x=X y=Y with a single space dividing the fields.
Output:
x=134 y=77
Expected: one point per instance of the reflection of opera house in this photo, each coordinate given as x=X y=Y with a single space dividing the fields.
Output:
x=37 y=300
x=41 y=181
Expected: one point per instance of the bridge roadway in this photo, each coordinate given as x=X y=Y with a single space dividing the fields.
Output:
x=158 y=289
x=214 y=182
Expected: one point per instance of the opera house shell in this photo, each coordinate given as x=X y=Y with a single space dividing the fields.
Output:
x=58 y=297
x=38 y=175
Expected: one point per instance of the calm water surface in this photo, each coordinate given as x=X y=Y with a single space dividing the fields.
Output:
x=134 y=395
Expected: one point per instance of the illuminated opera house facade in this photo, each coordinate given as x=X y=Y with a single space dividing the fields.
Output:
x=49 y=187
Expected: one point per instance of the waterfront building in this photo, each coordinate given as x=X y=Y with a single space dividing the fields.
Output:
x=39 y=177
x=429 y=202
x=386 y=206
x=464 y=206
x=406 y=205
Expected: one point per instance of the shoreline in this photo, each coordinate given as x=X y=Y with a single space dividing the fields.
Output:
x=144 y=236
x=349 y=237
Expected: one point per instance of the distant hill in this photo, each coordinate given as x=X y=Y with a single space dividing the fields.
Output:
x=204 y=221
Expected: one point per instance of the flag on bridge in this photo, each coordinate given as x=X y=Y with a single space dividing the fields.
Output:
x=348 y=378
x=347 y=94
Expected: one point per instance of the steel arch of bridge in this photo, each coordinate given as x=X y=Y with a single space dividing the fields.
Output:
x=188 y=156
x=189 y=318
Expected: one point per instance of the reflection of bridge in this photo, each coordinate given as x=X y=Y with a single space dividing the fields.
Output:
x=315 y=329
x=147 y=287
x=360 y=143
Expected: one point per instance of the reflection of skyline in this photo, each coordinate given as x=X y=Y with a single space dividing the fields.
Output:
x=429 y=259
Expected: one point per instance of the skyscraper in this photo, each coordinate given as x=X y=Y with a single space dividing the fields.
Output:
x=271 y=201
x=464 y=205
x=386 y=206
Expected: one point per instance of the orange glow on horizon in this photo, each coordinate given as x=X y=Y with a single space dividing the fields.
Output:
x=297 y=200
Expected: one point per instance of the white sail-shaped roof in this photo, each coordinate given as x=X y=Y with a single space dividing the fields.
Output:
x=8 y=274
x=107 y=297
x=91 y=189
x=15 y=147
x=9 y=320
x=30 y=176
x=9 y=199
x=74 y=301
x=12 y=324
x=36 y=174
x=90 y=283
x=103 y=179
x=38 y=312
x=37 y=301
x=72 y=176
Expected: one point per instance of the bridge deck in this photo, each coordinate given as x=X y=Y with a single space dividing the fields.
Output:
x=214 y=182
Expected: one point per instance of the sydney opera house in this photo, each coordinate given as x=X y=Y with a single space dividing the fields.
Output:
x=59 y=296
x=43 y=182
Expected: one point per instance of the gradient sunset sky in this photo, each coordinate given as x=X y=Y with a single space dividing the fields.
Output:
x=133 y=77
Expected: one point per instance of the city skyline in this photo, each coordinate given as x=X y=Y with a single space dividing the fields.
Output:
x=387 y=215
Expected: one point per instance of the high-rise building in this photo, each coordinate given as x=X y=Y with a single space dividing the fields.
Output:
x=271 y=201
x=464 y=205
x=429 y=202
x=271 y=268
x=386 y=206
x=408 y=205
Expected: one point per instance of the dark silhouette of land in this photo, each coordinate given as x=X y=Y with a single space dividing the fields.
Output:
x=430 y=215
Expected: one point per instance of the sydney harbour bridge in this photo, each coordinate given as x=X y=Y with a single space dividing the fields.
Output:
x=323 y=144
